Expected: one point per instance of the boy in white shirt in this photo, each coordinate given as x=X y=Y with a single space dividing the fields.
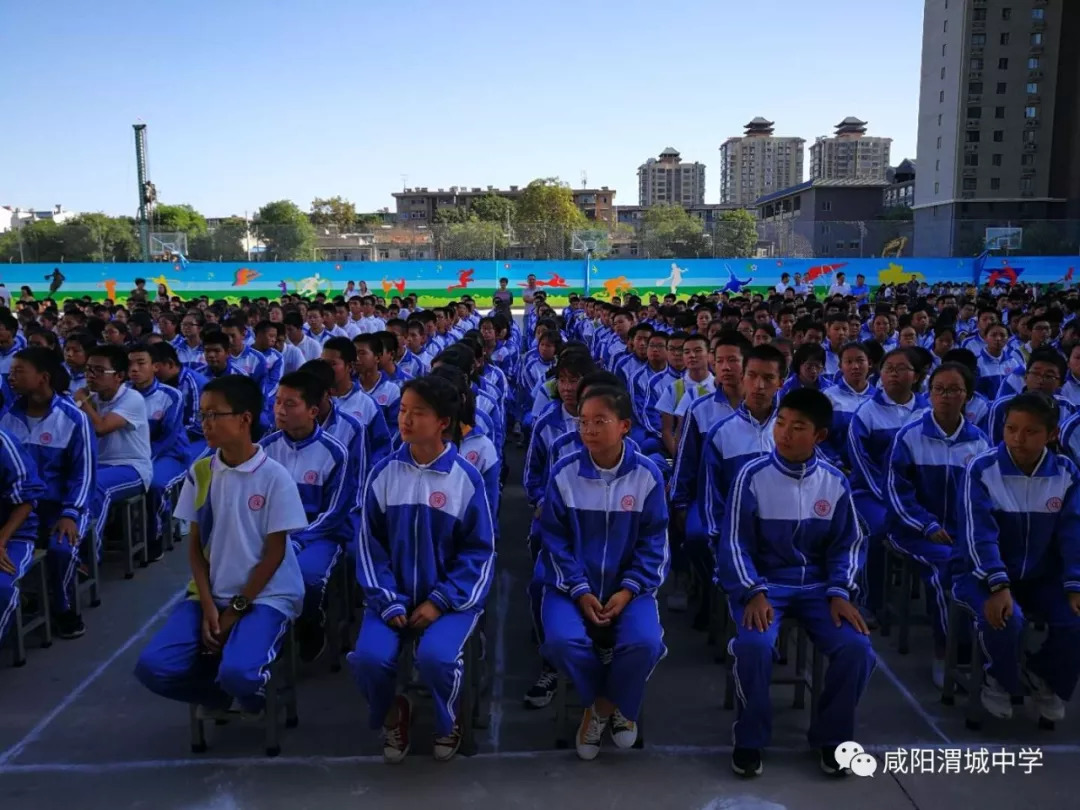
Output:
x=217 y=645
x=117 y=413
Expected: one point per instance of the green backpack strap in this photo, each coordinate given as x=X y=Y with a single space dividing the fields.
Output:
x=203 y=473
x=680 y=389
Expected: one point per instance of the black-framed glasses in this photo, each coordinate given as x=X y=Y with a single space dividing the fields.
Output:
x=96 y=370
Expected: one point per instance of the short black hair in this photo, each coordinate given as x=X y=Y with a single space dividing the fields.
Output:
x=343 y=346
x=812 y=404
x=729 y=337
x=369 y=339
x=963 y=357
x=164 y=353
x=766 y=354
x=1044 y=354
x=143 y=347
x=116 y=355
x=310 y=386
x=1040 y=405
x=319 y=369
x=47 y=361
x=616 y=398
x=243 y=395
x=216 y=338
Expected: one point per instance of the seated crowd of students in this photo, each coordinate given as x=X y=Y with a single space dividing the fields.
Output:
x=776 y=448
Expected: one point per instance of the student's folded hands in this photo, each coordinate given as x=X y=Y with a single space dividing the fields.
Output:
x=424 y=615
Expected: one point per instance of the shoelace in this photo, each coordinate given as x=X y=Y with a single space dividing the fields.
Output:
x=547 y=679
x=594 y=731
x=620 y=721
x=392 y=737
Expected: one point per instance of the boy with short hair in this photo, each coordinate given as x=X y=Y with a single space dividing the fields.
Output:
x=1020 y=546
x=190 y=384
x=373 y=380
x=790 y=545
x=217 y=646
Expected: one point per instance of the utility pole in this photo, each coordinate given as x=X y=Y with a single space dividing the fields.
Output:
x=146 y=191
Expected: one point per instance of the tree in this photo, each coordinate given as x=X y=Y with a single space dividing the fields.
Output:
x=492 y=208
x=40 y=241
x=547 y=216
x=736 y=235
x=286 y=230
x=668 y=232
x=450 y=215
x=334 y=211
x=96 y=237
x=471 y=240
x=225 y=243
x=178 y=219
x=1049 y=239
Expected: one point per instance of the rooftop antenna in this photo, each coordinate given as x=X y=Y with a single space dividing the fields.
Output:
x=584 y=178
x=404 y=181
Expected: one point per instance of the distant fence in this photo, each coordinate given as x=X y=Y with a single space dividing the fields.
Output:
x=436 y=281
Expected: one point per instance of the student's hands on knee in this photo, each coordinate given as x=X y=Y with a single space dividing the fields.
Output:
x=758 y=613
x=1074 y=602
x=424 y=615
x=615 y=605
x=6 y=565
x=941 y=536
x=842 y=610
x=592 y=609
x=397 y=622
x=998 y=609
x=67 y=531
x=211 y=627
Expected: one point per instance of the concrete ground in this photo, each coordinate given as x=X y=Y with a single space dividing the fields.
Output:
x=76 y=730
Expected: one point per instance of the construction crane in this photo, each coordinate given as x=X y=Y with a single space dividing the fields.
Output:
x=147 y=192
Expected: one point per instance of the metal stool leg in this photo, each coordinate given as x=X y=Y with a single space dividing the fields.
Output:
x=973 y=710
x=198 y=730
x=561 y=740
x=952 y=648
x=801 y=673
x=907 y=578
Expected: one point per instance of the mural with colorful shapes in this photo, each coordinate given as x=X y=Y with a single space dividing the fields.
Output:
x=436 y=282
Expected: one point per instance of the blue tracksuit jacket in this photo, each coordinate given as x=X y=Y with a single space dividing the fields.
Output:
x=553 y=423
x=426 y=534
x=600 y=536
x=363 y=407
x=703 y=414
x=995 y=419
x=319 y=466
x=165 y=414
x=923 y=475
x=870 y=434
x=19 y=484
x=845 y=401
x=789 y=524
x=1016 y=527
x=190 y=384
x=478 y=449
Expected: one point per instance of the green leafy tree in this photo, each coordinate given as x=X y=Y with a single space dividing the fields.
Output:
x=547 y=218
x=450 y=215
x=471 y=240
x=333 y=211
x=178 y=219
x=492 y=208
x=96 y=237
x=1050 y=239
x=40 y=241
x=668 y=232
x=225 y=243
x=736 y=235
x=286 y=230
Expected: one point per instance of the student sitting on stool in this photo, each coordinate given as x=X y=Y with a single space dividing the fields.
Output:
x=21 y=488
x=425 y=559
x=217 y=646
x=790 y=545
x=1020 y=542
x=604 y=553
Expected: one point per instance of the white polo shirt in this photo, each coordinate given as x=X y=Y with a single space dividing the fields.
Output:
x=245 y=504
x=130 y=445
x=692 y=390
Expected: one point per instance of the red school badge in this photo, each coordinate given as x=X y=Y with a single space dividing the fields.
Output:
x=45 y=438
x=1053 y=505
x=822 y=508
x=627 y=503
x=472 y=457
x=310 y=477
x=256 y=502
x=437 y=500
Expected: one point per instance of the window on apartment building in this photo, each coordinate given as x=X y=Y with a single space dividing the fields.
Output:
x=971 y=183
x=974 y=112
x=1026 y=184
x=943 y=73
x=995 y=183
x=826 y=205
x=999 y=136
x=945 y=27
x=384 y=254
x=1034 y=62
x=979 y=15
x=975 y=88
x=937 y=188
x=1038 y=14
x=1031 y=112
x=1003 y=63
x=937 y=165
x=1006 y=13
x=938 y=141
x=941 y=96
x=972 y=136
x=999 y=112
x=1032 y=88
x=976 y=64
x=1036 y=39
x=971 y=159
x=942 y=50
x=1001 y=88
x=1004 y=39
x=939 y=119
x=1030 y=136
x=995 y=159
x=978 y=40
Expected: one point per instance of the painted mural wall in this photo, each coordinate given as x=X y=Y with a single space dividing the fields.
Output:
x=436 y=282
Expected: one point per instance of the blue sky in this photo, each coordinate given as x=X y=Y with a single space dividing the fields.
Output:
x=250 y=101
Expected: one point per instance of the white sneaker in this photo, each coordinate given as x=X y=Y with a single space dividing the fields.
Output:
x=1050 y=706
x=446 y=747
x=590 y=733
x=623 y=730
x=937 y=673
x=996 y=700
x=395 y=739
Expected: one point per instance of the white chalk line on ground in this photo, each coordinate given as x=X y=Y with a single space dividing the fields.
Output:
x=502 y=605
x=318 y=761
x=912 y=701
x=32 y=736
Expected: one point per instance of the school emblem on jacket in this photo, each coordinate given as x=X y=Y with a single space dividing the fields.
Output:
x=822 y=508
x=1053 y=505
x=256 y=502
x=381 y=399
x=436 y=500
x=45 y=438
x=310 y=477
x=157 y=415
x=627 y=503
x=472 y=456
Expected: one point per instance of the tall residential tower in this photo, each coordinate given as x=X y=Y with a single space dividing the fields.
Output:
x=758 y=163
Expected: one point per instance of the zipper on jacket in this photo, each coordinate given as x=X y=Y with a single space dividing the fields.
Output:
x=1027 y=527
x=416 y=533
x=607 y=532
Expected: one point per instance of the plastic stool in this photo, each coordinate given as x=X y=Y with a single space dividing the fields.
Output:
x=34 y=581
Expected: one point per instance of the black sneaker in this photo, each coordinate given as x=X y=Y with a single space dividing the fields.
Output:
x=829 y=765
x=155 y=552
x=68 y=625
x=746 y=762
x=541 y=692
x=310 y=640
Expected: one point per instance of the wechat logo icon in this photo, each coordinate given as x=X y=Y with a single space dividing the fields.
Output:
x=852 y=756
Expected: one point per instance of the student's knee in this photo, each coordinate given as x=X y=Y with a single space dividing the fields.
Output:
x=240 y=679
x=367 y=657
x=855 y=651
x=751 y=644
x=152 y=670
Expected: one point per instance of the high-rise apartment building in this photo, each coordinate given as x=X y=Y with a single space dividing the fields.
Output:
x=758 y=163
x=850 y=154
x=668 y=180
x=998 y=119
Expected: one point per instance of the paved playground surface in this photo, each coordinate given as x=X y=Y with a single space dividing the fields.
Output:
x=77 y=731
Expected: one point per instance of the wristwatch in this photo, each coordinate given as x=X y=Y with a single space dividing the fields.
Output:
x=1001 y=586
x=240 y=604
